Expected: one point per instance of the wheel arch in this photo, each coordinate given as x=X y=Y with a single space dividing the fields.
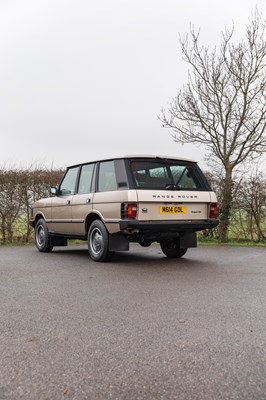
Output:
x=90 y=218
x=37 y=218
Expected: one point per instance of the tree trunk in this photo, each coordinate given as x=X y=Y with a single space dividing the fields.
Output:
x=3 y=229
x=10 y=232
x=257 y=219
x=226 y=205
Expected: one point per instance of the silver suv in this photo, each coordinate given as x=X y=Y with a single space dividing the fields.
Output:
x=116 y=201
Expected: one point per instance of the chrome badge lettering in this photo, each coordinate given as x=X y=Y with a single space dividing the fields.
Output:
x=167 y=196
x=162 y=196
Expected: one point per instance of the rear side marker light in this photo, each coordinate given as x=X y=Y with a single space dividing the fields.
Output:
x=129 y=210
x=213 y=210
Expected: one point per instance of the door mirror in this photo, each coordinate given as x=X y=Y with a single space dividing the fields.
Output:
x=54 y=191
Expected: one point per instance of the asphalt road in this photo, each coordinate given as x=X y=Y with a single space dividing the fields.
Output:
x=140 y=327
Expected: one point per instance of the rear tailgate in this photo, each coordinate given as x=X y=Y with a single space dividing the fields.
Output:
x=173 y=205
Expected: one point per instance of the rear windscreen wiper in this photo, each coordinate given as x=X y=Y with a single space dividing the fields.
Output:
x=172 y=186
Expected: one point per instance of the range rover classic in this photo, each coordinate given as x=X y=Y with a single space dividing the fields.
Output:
x=113 y=202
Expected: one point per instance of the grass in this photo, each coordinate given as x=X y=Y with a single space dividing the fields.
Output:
x=231 y=242
x=13 y=244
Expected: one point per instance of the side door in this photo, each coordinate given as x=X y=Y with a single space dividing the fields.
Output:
x=108 y=196
x=83 y=199
x=62 y=203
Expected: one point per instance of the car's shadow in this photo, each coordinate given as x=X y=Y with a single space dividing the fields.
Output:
x=137 y=257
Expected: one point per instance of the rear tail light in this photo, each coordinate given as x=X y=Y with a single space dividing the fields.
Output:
x=213 y=210
x=129 y=210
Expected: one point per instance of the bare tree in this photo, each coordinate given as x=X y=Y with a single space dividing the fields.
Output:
x=223 y=105
x=38 y=184
x=10 y=201
x=18 y=189
x=251 y=204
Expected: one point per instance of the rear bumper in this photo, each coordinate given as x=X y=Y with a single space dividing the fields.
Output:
x=168 y=226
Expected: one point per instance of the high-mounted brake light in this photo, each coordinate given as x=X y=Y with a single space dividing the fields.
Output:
x=213 y=210
x=129 y=210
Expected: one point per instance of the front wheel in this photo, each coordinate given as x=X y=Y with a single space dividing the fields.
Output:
x=171 y=248
x=42 y=237
x=98 y=242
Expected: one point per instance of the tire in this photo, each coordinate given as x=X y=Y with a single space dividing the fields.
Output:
x=42 y=237
x=145 y=243
x=171 y=248
x=98 y=242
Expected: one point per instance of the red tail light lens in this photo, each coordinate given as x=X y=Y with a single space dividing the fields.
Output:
x=129 y=210
x=213 y=210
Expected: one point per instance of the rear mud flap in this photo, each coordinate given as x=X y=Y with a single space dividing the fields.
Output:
x=188 y=240
x=118 y=242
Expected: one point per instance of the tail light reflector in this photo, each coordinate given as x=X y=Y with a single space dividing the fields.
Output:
x=213 y=210
x=129 y=210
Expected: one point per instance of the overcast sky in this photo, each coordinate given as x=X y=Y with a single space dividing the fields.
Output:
x=83 y=79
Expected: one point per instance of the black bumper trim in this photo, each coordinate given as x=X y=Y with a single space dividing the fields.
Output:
x=177 y=226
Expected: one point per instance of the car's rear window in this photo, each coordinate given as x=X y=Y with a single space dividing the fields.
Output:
x=166 y=174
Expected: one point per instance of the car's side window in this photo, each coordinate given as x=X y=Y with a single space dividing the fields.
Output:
x=85 y=179
x=68 y=184
x=107 y=177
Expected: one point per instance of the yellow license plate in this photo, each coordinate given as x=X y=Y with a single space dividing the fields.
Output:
x=173 y=210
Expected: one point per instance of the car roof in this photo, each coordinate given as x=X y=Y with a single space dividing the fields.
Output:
x=130 y=156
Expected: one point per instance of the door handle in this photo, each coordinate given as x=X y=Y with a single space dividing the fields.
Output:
x=68 y=202
x=88 y=201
